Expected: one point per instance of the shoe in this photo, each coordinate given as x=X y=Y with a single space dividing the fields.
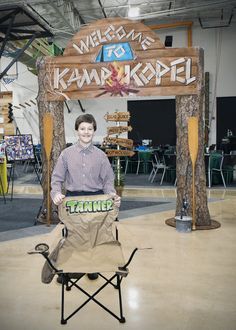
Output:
x=59 y=279
x=92 y=276
x=76 y=276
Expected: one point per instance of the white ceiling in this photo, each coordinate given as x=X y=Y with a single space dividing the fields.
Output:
x=64 y=17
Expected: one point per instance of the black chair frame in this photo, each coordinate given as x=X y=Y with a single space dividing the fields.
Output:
x=70 y=280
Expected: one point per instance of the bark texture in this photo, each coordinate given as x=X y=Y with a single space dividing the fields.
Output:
x=187 y=106
x=59 y=143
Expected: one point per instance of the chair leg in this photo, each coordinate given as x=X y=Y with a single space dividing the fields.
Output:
x=138 y=167
x=126 y=166
x=154 y=175
x=164 y=172
x=223 y=179
x=209 y=178
x=151 y=174
x=63 y=321
x=122 y=318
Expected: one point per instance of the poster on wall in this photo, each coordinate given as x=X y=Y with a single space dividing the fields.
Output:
x=19 y=147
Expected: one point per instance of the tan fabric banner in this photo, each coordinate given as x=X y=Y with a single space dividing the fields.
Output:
x=90 y=245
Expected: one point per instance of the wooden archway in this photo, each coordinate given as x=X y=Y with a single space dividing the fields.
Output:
x=85 y=71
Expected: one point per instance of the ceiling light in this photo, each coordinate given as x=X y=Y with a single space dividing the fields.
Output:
x=133 y=12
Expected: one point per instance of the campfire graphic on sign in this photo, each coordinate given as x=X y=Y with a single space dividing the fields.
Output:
x=116 y=84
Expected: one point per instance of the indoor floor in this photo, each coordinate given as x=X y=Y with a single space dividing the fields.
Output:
x=176 y=281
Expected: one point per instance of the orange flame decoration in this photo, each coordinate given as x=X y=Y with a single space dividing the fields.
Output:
x=115 y=84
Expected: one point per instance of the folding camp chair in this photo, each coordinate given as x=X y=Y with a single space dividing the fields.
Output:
x=88 y=246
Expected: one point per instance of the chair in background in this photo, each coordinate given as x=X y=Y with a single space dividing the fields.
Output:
x=36 y=163
x=215 y=165
x=134 y=160
x=229 y=166
x=170 y=162
x=144 y=159
x=156 y=166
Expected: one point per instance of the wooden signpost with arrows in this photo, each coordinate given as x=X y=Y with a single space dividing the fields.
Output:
x=126 y=143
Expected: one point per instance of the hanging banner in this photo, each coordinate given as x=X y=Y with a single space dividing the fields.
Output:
x=122 y=58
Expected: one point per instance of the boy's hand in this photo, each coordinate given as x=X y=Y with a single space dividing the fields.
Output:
x=58 y=198
x=117 y=199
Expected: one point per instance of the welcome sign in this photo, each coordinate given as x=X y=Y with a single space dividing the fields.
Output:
x=119 y=57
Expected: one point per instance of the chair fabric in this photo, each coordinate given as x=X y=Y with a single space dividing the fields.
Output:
x=89 y=245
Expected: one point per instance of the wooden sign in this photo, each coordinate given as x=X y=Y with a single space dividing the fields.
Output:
x=118 y=129
x=124 y=58
x=127 y=143
x=6 y=128
x=119 y=153
x=117 y=116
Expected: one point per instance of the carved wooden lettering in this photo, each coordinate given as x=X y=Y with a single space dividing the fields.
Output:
x=118 y=129
x=117 y=116
x=118 y=153
x=127 y=143
x=119 y=57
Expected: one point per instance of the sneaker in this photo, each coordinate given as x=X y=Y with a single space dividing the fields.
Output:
x=59 y=279
x=92 y=276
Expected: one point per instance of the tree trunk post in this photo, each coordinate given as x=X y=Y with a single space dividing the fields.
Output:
x=56 y=109
x=188 y=106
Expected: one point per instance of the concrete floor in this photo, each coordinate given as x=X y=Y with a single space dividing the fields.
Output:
x=184 y=281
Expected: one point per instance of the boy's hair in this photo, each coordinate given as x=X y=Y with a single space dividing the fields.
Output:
x=87 y=118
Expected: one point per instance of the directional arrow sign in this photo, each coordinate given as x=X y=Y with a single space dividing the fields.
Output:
x=117 y=116
x=115 y=153
x=118 y=129
x=127 y=143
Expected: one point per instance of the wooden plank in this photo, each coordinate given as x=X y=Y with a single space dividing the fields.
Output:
x=119 y=153
x=118 y=129
x=5 y=98
x=135 y=46
x=151 y=55
x=117 y=116
x=88 y=84
x=5 y=94
x=97 y=90
x=5 y=101
x=126 y=143
x=148 y=91
x=113 y=31
x=142 y=75
x=165 y=82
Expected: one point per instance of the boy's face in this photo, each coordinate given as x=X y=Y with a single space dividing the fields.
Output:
x=85 y=133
